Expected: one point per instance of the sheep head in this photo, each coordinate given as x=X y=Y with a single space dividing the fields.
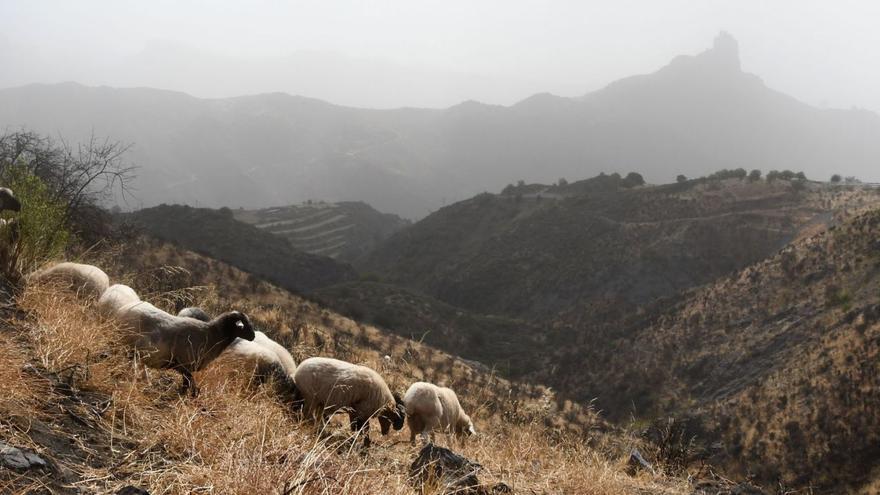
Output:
x=237 y=324
x=8 y=201
x=465 y=427
x=393 y=415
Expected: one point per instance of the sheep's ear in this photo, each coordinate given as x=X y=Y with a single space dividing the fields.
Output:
x=397 y=399
x=471 y=430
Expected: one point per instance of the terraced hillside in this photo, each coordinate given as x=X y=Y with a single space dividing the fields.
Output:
x=345 y=230
x=218 y=234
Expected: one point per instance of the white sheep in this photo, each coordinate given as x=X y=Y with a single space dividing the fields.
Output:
x=8 y=201
x=194 y=312
x=266 y=358
x=115 y=297
x=330 y=385
x=430 y=408
x=180 y=343
x=87 y=280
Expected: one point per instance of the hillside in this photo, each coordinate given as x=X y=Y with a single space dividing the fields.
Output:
x=596 y=249
x=344 y=231
x=504 y=344
x=698 y=114
x=76 y=402
x=778 y=361
x=218 y=234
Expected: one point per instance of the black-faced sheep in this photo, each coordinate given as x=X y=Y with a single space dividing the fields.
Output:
x=265 y=357
x=180 y=343
x=8 y=201
x=430 y=408
x=88 y=280
x=329 y=385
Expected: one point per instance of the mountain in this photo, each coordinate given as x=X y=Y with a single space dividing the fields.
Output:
x=218 y=234
x=698 y=114
x=593 y=249
x=344 y=231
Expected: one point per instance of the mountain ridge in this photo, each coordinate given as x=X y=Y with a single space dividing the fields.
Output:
x=693 y=116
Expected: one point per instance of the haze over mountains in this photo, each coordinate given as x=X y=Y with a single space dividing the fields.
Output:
x=697 y=115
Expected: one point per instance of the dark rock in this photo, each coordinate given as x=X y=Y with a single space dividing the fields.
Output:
x=436 y=466
x=20 y=459
x=131 y=490
x=637 y=462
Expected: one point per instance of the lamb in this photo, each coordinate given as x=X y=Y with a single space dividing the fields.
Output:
x=181 y=343
x=429 y=407
x=267 y=358
x=329 y=385
x=115 y=297
x=8 y=201
x=87 y=280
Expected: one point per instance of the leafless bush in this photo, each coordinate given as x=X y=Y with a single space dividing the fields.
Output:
x=80 y=176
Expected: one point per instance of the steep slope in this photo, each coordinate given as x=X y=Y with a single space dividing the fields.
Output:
x=217 y=233
x=593 y=249
x=76 y=401
x=779 y=360
x=344 y=231
x=698 y=114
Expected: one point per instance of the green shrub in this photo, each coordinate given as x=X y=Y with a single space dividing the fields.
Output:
x=42 y=221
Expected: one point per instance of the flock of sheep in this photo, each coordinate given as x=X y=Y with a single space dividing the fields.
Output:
x=189 y=341
x=322 y=386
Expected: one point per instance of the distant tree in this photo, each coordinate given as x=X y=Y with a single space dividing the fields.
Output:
x=786 y=175
x=836 y=178
x=633 y=179
x=681 y=178
x=754 y=175
x=772 y=175
x=562 y=182
x=851 y=180
x=800 y=176
x=508 y=189
x=520 y=183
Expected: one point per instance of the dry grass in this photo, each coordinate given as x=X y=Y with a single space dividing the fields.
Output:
x=237 y=439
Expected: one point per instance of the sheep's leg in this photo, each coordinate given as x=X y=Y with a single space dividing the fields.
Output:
x=189 y=383
x=416 y=427
x=360 y=424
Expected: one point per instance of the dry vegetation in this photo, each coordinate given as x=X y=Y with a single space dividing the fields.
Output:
x=78 y=399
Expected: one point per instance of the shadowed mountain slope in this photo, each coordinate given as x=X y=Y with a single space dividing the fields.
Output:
x=594 y=249
x=218 y=234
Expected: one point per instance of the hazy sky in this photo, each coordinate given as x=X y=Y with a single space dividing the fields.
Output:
x=384 y=53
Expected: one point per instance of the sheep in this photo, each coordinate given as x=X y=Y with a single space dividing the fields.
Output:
x=194 y=312
x=429 y=407
x=81 y=277
x=329 y=385
x=8 y=201
x=267 y=358
x=115 y=297
x=183 y=344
